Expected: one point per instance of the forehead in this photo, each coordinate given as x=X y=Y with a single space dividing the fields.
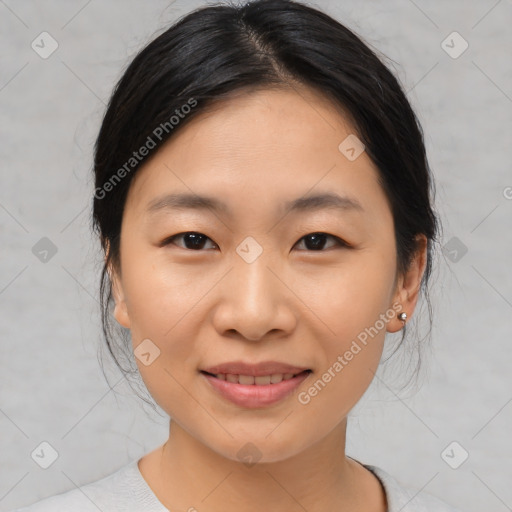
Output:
x=258 y=148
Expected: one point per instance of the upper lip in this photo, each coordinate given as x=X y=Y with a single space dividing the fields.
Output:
x=258 y=369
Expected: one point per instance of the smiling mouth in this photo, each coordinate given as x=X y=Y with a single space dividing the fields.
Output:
x=250 y=380
x=255 y=391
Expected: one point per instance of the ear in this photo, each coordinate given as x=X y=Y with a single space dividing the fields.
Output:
x=120 y=309
x=409 y=284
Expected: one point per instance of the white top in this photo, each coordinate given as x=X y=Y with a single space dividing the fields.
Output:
x=127 y=491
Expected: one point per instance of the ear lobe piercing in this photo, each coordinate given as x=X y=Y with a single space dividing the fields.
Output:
x=403 y=317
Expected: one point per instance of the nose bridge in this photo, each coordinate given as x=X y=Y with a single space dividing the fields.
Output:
x=252 y=281
x=254 y=300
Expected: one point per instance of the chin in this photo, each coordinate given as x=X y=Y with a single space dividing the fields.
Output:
x=259 y=449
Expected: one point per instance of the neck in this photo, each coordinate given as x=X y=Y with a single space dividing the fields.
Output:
x=187 y=475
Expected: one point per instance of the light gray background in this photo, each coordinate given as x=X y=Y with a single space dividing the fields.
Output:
x=52 y=388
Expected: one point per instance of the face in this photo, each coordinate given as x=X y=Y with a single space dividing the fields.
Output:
x=264 y=273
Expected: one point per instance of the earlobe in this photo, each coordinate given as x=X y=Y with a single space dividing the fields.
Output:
x=409 y=285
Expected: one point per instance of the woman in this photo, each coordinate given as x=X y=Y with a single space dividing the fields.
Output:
x=264 y=202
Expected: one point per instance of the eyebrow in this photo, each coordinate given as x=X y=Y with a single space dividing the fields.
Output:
x=187 y=201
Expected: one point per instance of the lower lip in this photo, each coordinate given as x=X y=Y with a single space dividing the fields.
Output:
x=252 y=395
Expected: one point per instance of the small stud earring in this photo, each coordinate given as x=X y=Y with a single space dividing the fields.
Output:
x=403 y=317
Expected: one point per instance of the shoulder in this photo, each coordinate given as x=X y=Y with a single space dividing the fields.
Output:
x=112 y=492
x=406 y=500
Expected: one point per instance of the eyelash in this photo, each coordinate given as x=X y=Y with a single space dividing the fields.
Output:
x=170 y=240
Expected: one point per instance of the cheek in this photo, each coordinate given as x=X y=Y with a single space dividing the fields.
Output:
x=351 y=298
x=163 y=304
x=355 y=309
x=161 y=295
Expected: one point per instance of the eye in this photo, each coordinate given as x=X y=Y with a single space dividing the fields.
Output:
x=316 y=241
x=192 y=240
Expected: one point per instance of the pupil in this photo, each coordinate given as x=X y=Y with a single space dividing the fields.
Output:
x=197 y=240
x=318 y=240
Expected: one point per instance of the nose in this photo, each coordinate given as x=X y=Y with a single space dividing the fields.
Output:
x=255 y=302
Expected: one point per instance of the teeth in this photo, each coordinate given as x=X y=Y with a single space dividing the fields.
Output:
x=261 y=380
x=245 y=379
x=276 y=378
